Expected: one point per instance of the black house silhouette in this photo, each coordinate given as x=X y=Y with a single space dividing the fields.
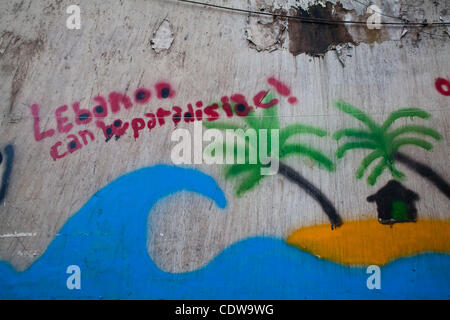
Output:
x=395 y=203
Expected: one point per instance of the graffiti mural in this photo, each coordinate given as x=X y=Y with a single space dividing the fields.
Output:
x=395 y=203
x=155 y=118
x=112 y=261
x=101 y=251
x=269 y=120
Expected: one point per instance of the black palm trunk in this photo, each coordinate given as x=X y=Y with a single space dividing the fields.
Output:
x=425 y=172
x=314 y=192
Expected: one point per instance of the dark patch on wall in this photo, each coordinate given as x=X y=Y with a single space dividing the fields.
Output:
x=9 y=159
x=316 y=38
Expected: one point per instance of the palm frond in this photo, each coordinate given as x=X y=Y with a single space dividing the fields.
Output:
x=426 y=131
x=238 y=169
x=385 y=143
x=366 y=162
x=355 y=145
x=353 y=133
x=298 y=128
x=226 y=146
x=312 y=153
x=249 y=182
x=399 y=142
x=404 y=113
x=252 y=120
x=377 y=171
x=247 y=143
x=396 y=173
x=357 y=114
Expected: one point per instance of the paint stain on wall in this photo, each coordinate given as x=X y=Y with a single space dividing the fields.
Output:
x=6 y=163
x=313 y=38
x=442 y=86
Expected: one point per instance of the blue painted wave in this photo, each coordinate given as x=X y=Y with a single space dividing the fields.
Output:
x=107 y=240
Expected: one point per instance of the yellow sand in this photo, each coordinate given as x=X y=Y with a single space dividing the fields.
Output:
x=369 y=242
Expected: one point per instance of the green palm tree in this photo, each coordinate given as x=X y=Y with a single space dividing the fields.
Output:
x=251 y=173
x=385 y=143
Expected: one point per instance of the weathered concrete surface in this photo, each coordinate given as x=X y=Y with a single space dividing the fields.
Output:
x=119 y=48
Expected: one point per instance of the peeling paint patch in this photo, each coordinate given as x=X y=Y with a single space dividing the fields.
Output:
x=362 y=34
x=315 y=39
x=265 y=37
x=343 y=52
x=162 y=37
x=266 y=33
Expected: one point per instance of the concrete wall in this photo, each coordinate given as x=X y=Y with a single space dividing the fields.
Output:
x=204 y=54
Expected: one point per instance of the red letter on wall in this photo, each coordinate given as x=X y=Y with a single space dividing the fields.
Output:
x=137 y=124
x=54 y=151
x=60 y=120
x=116 y=99
x=38 y=135
x=82 y=116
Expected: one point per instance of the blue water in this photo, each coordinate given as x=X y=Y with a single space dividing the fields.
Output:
x=107 y=240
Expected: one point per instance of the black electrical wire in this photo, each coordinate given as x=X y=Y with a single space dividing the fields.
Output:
x=318 y=20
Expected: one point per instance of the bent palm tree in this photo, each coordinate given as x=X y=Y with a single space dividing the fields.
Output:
x=268 y=119
x=385 y=143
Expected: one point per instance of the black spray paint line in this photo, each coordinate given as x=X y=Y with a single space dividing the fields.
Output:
x=426 y=172
x=314 y=192
x=9 y=155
